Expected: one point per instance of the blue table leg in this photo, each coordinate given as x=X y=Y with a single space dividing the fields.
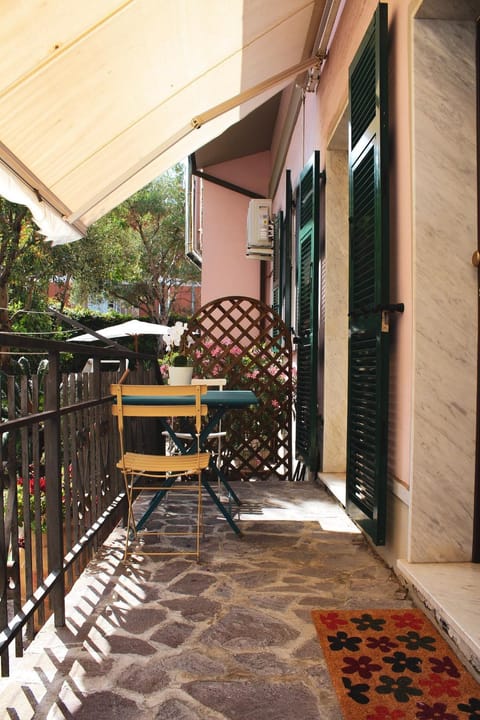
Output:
x=222 y=508
x=154 y=503
x=221 y=476
x=158 y=497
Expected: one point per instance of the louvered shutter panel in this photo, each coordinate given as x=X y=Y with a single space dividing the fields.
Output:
x=287 y=234
x=307 y=313
x=369 y=282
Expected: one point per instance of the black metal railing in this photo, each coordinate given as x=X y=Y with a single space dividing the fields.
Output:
x=61 y=492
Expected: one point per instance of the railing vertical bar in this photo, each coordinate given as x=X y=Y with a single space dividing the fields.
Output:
x=40 y=537
x=53 y=478
x=12 y=507
x=74 y=473
x=86 y=474
x=70 y=423
x=83 y=452
x=67 y=492
x=27 y=489
x=96 y=442
x=90 y=424
x=4 y=576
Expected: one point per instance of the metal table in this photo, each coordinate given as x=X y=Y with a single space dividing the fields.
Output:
x=218 y=402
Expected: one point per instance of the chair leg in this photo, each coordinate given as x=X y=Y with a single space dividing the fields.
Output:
x=199 y=514
x=130 y=529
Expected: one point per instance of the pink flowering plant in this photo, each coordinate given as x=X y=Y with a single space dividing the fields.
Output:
x=263 y=368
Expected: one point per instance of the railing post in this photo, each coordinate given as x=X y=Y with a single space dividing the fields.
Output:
x=54 y=486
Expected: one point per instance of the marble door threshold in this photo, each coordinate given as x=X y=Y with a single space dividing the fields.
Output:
x=336 y=483
x=450 y=592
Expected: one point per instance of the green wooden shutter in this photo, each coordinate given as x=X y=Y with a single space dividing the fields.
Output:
x=307 y=313
x=287 y=234
x=369 y=282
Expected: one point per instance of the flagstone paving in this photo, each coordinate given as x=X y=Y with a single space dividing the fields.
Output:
x=229 y=638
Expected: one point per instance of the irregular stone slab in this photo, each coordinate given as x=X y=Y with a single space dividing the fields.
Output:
x=174 y=634
x=193 y=584
x=243 y=628
x=287 y=529
x=166 y=571
x=86 y=666
x=271 y=601
x=258 y=542
x=139 y=620
x=255 y=579
x=263 y=664
x=192 y=608
x=126 y=645
x=257 y=701
x=176 y=710
x=142 y=680
x=194 y=664
x=309 y=650
x=105 y=706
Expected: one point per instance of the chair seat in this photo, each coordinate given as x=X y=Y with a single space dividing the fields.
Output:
x=141 y=463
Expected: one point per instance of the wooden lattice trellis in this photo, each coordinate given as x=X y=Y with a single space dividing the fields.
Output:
x=246 y=342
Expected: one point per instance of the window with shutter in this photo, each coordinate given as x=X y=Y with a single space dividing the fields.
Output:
x=288 y=267
x=308 y=219
x=369 y=282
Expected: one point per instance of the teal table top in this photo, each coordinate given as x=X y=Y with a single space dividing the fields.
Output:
x=212 y=398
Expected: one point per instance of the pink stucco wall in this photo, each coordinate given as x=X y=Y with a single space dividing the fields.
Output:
x=314 y=129
x=225 y=269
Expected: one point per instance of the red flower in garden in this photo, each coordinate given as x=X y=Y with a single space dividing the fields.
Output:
x=42 y=484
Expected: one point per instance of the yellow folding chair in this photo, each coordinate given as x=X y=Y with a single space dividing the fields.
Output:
x=160 y=473
x=218 y=435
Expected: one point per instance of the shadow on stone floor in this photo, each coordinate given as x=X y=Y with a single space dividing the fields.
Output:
x=230 y=637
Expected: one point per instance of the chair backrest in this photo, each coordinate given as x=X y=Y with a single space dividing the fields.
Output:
x=153 y=401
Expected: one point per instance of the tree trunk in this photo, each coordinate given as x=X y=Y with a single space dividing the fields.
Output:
x=4 y=325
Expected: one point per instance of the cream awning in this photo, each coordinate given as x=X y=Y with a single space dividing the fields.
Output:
x=99 y=97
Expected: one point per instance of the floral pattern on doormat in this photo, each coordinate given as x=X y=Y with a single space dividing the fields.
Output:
x=394 y=665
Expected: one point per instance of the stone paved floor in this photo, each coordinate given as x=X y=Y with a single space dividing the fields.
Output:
x=230 y=638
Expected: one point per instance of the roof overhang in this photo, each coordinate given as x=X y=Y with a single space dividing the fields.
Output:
x=99 y=98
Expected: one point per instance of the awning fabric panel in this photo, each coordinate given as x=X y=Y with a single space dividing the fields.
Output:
x=97 y=98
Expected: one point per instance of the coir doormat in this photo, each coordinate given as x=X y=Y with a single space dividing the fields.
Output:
x=394 y=665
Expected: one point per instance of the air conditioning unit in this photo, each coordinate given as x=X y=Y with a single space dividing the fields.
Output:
x=260 y=230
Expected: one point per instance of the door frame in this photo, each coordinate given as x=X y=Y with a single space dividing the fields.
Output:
x=476 y=495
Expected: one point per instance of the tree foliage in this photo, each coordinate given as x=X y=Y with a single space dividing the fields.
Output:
x=136 y=253
x=21 y=256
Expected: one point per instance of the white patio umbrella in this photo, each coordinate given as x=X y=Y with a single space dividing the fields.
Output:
x=131 y=328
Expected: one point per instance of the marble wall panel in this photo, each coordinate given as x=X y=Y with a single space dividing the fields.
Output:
x=336 y=316
x=445 y=291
